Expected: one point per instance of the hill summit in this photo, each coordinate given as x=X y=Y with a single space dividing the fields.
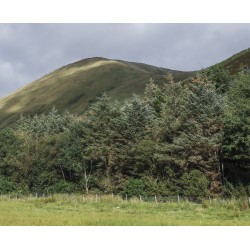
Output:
x=75 y=86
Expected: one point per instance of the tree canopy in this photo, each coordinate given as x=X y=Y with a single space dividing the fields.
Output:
x=188 y=139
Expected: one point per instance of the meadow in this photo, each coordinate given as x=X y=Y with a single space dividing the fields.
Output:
x=107 y=210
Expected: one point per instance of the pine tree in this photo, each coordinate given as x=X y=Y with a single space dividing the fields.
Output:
x=193 y=129
x=137 y=121
x=219 y=77
x=103 y=140
x=154 y=96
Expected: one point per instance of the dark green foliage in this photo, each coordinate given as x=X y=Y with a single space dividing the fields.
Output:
x=134 y=188
x=101 y=126
x=137 y=147
x=237 y=119
x=237 y=191
x=220 y=78
x=236 y=147
x=194 y=184
x=40 y=160
x=7 y=186
x=193 y=129
x=9 y=144
x=167 y=185
x=63 y=186
x=11 y=177
x=182 y=139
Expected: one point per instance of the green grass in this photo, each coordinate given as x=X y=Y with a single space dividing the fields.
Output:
x=107 y=211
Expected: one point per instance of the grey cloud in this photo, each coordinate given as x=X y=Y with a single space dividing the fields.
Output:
x=28 y=51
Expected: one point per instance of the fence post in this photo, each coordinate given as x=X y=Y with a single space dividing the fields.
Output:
x=36 y=195
x=209 y=199
x=178 y=197
x=140 y=199
x=112 y=195
x=249 y=201
x=156 y=200
x=95 y=197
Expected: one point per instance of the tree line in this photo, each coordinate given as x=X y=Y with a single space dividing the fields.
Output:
x=186 y=138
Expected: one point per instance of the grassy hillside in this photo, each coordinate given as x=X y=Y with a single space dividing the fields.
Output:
x=235 y=62
x=75 y=86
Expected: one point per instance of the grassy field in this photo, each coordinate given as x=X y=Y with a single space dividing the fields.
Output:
x=77 y=210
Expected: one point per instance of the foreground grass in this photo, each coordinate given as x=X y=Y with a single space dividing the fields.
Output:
x=107 y=211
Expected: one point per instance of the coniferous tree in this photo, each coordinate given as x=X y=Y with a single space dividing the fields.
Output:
x=193 y=129
x=201 y=138
x=167 y=142
x=219 y=77
x=102 y=140
x=154 y=96
x=138 y=120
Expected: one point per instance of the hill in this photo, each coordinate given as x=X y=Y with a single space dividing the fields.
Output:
x=75 y=86
x=237 y=61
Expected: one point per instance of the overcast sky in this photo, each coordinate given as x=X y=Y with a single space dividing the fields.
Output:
x=28 y=51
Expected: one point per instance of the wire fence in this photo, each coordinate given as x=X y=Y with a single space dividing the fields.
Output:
x=117 y=198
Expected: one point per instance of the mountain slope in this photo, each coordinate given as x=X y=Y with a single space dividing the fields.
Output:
x=75 y=86
x=235 y=62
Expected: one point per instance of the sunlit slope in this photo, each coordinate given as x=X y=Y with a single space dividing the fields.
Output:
x=75 y=86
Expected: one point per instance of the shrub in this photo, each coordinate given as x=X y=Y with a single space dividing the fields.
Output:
x=62 y=187
x=6 y=186
x=194 y=184
x=134 y=188
x=231 y=191
x=166 y=187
